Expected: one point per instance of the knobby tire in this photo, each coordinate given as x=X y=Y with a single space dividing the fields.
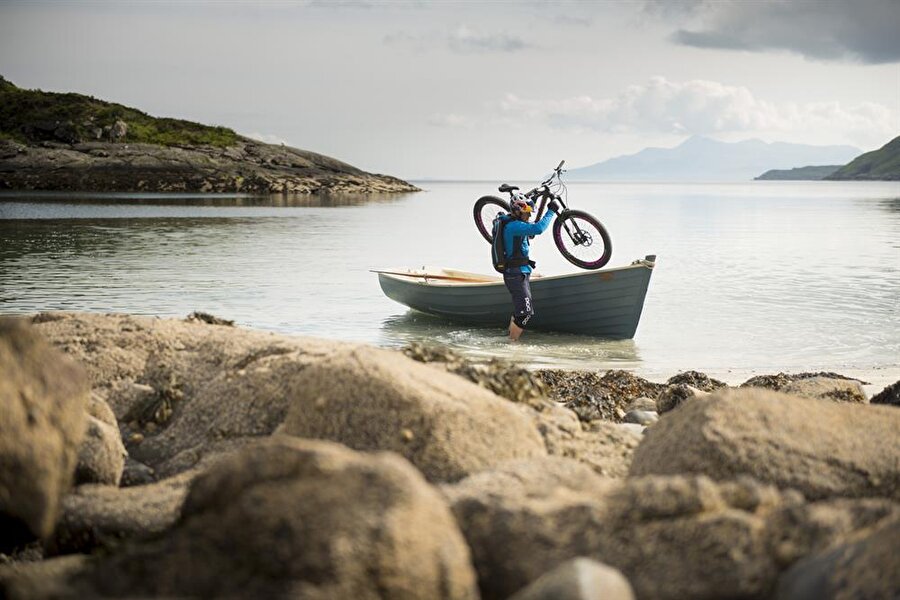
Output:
x=603 y=245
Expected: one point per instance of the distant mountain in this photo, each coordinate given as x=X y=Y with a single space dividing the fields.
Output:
x=882 y=164
x=703 y=159
x=813 y=173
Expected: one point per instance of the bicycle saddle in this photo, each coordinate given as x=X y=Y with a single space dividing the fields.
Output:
x=507 y=188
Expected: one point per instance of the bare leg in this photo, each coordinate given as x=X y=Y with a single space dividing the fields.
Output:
x=515 y=332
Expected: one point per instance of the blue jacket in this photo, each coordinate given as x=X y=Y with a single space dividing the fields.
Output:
x=521 y=230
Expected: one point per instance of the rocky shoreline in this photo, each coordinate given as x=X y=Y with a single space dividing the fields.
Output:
x=189 y=458
x=247 y=166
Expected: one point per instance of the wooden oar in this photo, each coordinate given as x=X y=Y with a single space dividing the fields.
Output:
x=444 y=277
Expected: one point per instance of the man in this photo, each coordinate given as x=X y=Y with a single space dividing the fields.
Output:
x=517 y=276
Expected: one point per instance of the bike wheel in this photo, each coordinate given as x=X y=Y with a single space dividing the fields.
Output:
x=582 y=239
x=486 y=208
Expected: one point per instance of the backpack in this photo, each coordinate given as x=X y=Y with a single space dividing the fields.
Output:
x=498 y=249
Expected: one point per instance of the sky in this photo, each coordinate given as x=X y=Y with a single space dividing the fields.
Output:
x=477 y=90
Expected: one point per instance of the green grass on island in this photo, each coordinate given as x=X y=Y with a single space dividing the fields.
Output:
x=883 y=164
x=31 y=116
x=810 y=173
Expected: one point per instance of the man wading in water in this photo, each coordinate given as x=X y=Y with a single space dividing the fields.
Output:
x=517 y=274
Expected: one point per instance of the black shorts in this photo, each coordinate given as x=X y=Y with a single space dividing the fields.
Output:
x=519 y=286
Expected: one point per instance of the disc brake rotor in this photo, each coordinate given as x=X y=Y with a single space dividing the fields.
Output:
x=583 y=238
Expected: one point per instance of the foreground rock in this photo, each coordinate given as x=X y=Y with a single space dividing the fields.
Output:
x=821 y=448
x=368 y=527
x=42 y=412
x=372 y=399
x=605 y=447
x=45 y=579
x=182 y=389
x=579 y=579
x=863 y=568
x=533 y=478
x=889 y=395
x=672 y=537
x=102 y=516
x=101 y=458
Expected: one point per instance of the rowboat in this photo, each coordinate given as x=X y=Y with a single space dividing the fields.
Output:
x=605 y=303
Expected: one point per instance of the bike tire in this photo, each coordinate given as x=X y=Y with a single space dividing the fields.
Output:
x=484 y=213
x=598 y=247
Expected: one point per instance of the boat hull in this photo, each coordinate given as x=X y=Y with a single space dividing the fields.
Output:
x=606 y=303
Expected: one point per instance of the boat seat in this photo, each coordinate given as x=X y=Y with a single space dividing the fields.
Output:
x=507 y=188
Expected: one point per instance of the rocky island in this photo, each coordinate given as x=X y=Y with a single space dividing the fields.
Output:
x=809 y=173
x=147 y=457
x=878 y=165
x=71 y=142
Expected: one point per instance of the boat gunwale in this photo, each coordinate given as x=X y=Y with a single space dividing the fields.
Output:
x=423 y=280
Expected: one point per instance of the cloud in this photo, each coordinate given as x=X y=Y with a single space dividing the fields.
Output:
x=467 y=39
x=833 y=30
x=266 y=138
x=462 y=39
x=701 y=107
x=451 y=120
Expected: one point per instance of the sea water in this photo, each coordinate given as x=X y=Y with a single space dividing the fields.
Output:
x=751 y=277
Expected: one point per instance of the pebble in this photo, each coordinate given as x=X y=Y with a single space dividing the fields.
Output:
x=641 y=417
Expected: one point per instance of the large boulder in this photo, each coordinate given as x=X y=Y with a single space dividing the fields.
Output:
x=102 y=516
x=531 y=478
x=42 y=419
x=50 y=579
x=301 y=519
x=101 y=458
x=181 y=389
x=373 y=399
x=184 y=389
x=868 y=567
x=672 y=537
x=821 y=448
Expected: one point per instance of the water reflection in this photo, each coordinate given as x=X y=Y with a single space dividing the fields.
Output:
x=107 y=238
x=891 y=204
x=218 y=200
x=536 y=349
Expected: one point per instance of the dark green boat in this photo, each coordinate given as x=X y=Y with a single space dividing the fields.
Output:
x=605 y=303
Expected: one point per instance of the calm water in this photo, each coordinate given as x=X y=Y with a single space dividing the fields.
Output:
x=751 y=277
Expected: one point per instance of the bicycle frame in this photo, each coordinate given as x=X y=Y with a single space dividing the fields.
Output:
x=580 y=228
x=543 y=193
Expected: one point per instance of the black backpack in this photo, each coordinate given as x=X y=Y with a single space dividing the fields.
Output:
x=498 y=249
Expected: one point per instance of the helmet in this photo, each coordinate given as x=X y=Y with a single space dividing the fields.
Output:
x=522 y=208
